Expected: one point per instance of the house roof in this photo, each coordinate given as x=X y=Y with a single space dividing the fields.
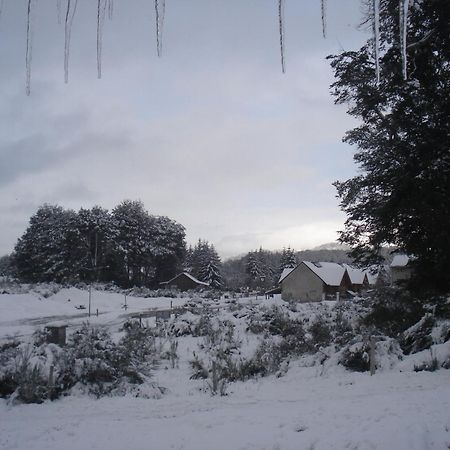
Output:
x=285 y=273
x=356 y=275
x=330 y=273
x=400 y=260
x=187 y=275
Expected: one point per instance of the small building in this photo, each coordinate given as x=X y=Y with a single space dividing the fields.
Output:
x=56 y=333
x=401 y=269
x=315 y=282
x=184 y=281
x=359 y=278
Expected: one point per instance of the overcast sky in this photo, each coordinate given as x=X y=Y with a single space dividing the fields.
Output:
x=212 y=134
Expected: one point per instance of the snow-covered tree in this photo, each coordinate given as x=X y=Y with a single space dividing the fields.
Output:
x=94 y=226
x=149 y=248
x=401 y=194
x=50 y=249
x=206 y=264
x=288 y=259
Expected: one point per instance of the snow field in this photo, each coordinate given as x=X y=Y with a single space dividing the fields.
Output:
x=311 y=407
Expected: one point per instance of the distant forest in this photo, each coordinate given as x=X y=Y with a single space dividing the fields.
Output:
x=130 y=247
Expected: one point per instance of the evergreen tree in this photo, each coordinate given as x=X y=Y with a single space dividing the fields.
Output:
x=401 y=195
x=288 y=259
x=94 y=226
x=50 y=248
x=210 y=271
x=149 y=248
x=206 y=264
x=253 y=267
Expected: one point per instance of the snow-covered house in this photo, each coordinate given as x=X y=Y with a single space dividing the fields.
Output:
x=315 y=282
x=184 y=281
x=400 y=268
x=359 y=278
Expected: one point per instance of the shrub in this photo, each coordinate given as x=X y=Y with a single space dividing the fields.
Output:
x=91 y=359
x=320 y=332
x=418 y=337
x=356 y=357
x=394 y=310
x=429 y=366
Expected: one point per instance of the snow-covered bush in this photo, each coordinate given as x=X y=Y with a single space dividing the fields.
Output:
x=219 y=359
x=320 y=332
x=428 y=366
x=393 y=310
x=355 y=357
x=91 y=360
x=22 y=375
x=418 y=337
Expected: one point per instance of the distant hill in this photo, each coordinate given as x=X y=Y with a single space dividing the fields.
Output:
x=332 y=246
x=325 y=254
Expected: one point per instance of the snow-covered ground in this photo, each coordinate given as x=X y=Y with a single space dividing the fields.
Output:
x=307 y=408
x=21 y=314
x=299 y=411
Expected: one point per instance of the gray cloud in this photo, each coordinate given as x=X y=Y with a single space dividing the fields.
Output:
x=212 y=134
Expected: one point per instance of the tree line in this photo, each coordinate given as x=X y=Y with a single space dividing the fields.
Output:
x=127 y=246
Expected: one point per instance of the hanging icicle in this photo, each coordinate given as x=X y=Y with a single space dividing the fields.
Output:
x=70 y=14
x=404 y=16
x=58 y=11
x=110 y=9
x=281 y=31
x=160 y=9
x=324 y=17
x=101 y=11
x=29 y=54
x=376 y=41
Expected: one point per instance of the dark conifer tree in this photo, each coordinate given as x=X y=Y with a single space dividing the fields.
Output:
x=401 y=195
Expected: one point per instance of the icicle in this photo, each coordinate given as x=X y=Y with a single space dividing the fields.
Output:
x=29 y=54
x=101 y=10
x=281 y=28
x=404 y=14
x=376 y=30
x=110 y=9
x=324 y=17
x=70 y=14
x=58 y=11
x=160 y=9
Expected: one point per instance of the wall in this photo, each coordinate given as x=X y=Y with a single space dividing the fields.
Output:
x=302 y=285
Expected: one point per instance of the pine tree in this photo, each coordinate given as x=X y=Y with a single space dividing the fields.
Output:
x=288 y=260
x=252 y=266
x=94 y=226
x=50 y=248
x=148 y=248
x=206 y=264
x=401 y=195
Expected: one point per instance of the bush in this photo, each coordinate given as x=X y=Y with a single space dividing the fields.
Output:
x=91 y=360
x=320 y=332
x=356 y=357
x=418 y=337
x=429 y=366
x=394 y=310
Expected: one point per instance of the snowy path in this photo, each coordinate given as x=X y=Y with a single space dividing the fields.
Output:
x=395 y=411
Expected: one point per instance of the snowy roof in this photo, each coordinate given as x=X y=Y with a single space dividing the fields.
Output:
x=400 y=260
x=285 y=273
x=330 y=273
x=356 y=275
x=187 y=275
x=372 y=277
